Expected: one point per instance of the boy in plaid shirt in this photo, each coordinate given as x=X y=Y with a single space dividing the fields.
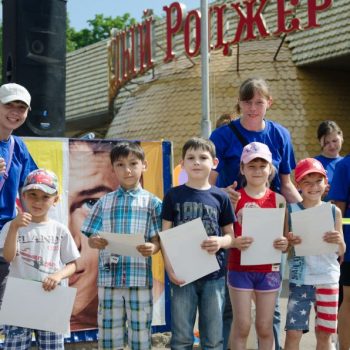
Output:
x=124 y=282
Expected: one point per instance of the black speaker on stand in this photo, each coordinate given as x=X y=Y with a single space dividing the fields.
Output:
x=34 y=55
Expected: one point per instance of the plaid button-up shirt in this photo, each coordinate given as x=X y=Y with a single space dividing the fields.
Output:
x=131 y=212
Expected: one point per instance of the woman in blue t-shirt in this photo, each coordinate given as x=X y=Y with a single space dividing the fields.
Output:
x=331 y=140
x=252 y=125
x=253 y=102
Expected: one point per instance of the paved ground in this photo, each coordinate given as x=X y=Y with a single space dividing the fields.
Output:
x=161 y=341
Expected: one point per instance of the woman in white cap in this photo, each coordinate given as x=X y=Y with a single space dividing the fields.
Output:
x=15 y=160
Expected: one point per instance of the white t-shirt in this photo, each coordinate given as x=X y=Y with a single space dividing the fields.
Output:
x=42 y=249
x=313 y=269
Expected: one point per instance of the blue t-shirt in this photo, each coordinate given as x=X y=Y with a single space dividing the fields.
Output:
x=183 y=204
x=329 y=164
x=340 y=191
x=22 y=164
x=229 y=150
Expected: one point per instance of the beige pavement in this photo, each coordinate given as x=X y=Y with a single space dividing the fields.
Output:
x=308 y=341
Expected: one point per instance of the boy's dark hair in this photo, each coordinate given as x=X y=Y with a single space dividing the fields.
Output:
x=199 y=143
x=124 y=148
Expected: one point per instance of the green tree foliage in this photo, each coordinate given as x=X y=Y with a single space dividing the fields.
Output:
x=99 y=29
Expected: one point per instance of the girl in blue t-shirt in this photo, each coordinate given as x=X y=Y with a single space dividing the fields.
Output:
x=331 y=140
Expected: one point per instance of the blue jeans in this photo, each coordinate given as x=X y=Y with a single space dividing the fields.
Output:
x=208 y=297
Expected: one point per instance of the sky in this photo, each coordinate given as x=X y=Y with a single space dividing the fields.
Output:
x=80 y=11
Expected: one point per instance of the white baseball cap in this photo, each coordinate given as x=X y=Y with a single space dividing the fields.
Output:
x=13 y=92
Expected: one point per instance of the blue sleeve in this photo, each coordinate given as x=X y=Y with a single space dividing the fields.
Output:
x=228 y=151
x=21 y=165
x=341 y=182
x=288 y=158
x=28 y=166
x=222 y=138
x=26 y=160
x=93 y=223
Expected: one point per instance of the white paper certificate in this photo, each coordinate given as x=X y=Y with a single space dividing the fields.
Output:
x=182 y=245
x=26 y=304
x=264 y=225
x=124 y=244
x=311 y=224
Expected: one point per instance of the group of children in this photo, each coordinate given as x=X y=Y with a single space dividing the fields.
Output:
x=125 y=283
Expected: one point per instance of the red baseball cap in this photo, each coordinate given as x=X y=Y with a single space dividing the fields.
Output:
x=308 y=166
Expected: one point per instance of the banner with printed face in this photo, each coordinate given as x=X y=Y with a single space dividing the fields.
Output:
x=85 y=174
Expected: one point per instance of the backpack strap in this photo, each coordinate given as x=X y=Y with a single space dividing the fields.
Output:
x=239 y=136
x=8 y=165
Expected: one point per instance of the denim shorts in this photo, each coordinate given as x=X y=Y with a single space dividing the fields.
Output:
x=257 y=281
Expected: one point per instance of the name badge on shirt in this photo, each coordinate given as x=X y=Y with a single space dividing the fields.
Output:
x=114 y=259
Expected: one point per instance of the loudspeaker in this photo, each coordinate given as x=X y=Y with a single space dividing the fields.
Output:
x=34 y=55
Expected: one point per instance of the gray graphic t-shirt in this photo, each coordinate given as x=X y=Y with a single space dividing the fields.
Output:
x=42 y=249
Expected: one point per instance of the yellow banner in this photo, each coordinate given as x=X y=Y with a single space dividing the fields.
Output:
x=86 y=174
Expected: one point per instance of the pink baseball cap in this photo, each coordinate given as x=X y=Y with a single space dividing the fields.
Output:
x=308 y=166
x=256 y=150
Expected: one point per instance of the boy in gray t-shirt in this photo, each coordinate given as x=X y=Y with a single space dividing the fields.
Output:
x=38 y=248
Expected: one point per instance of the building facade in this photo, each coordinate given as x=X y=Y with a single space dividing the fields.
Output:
x=307 y=70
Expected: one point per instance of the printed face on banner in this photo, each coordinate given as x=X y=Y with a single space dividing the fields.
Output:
x=91 y=176
x=86 y=174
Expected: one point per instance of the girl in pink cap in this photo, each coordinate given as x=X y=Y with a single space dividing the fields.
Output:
x=260 y=282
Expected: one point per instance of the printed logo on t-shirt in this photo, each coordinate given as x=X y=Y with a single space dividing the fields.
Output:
x=189 y=211
x=41 y=259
